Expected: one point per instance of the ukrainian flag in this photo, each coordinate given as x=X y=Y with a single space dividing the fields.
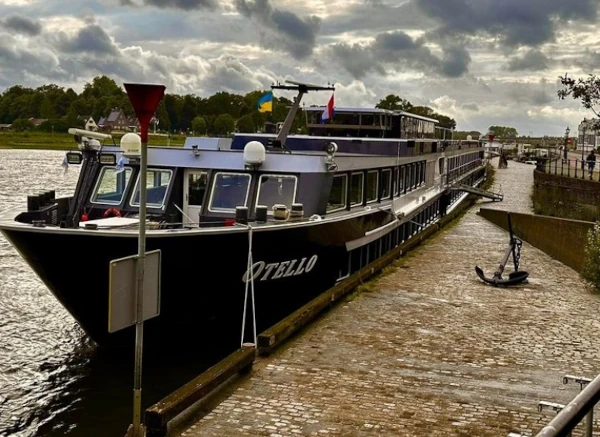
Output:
x=265 y=103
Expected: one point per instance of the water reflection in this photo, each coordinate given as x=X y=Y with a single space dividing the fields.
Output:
x=53 y=380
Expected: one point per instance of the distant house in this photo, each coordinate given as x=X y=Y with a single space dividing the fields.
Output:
x=133 y=124
x=116 y=120
x=37 y=121
x=88 y=122
x=5 y=127
x=588 y=137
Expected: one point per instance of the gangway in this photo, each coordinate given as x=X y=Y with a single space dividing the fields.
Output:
x=478 y=191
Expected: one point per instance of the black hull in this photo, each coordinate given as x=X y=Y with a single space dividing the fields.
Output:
x=202 y=291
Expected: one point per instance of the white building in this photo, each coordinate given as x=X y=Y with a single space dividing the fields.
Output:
x=588 y=138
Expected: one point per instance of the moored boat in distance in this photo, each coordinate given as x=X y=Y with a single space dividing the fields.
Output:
x=309 y=209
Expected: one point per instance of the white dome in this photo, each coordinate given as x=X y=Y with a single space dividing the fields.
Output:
x=254 y=153
x=131 y=145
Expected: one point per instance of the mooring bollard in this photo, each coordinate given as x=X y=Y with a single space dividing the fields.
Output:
x=583 y=381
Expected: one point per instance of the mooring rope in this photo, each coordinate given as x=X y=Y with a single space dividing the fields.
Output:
x=249 y=279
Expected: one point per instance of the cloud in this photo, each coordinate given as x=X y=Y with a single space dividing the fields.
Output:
x=513 y=22
x=398 y=49
x=89 y=39
x=533 y=60
x=187 y=5
x=289 y=31
x=22 y=24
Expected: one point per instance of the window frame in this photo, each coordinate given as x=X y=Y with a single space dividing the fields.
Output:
x=376 y=188
x=343 y=207
x=362 y=189
x=213 y=185
x=109 y=167
x=270 y=212
x=390 y=185
x=151 y=205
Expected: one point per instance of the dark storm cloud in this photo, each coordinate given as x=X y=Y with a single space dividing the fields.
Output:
x=514 y=22
x=89 y=39
x=21 y=24
x=533 y=60
x=292 y=33
x=400 y=50
x=187 y=5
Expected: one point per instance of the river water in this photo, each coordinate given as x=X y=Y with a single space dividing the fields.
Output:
x=53 y=379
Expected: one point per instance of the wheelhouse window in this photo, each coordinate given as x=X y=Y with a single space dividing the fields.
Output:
x=276 y=189
x=111 y=186
x=229 y=190
x=356 y=189
x=337 y=197
x=372 y=186
x=157 y=186
x=386 y=184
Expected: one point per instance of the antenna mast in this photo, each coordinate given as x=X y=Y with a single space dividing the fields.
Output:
x=302 y=88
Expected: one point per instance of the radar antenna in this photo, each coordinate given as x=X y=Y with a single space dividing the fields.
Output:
x=302 y=88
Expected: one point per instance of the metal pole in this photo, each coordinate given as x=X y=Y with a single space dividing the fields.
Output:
x=139 y=325
x=589 y=423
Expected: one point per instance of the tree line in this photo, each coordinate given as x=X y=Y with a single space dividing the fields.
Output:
x=218 y=114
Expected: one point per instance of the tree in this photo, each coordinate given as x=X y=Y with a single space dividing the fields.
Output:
x=199 y=125
x=22 y=124
x=586 y=90
x=394 y=103
x=246 y=124
x=224 y=125
x=504 y=131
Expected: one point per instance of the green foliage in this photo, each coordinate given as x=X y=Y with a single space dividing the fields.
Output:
x=504 y=131
x=22 y=124
x=590 y=271
x=199 y=126
x=394 y=103
x=586 y=90
x=224 y=125
x=246 y=124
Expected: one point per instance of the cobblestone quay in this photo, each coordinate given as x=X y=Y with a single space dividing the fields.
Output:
x=429 y=350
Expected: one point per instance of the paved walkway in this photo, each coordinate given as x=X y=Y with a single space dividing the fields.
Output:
x=428 y=350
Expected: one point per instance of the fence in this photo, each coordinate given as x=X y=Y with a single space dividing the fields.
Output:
x=575 y=168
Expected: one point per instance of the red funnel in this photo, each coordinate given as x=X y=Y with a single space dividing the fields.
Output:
x=145 y=99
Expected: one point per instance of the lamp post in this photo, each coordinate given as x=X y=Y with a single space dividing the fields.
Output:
x=582 y=149
x=144 y=99
x=566 y=141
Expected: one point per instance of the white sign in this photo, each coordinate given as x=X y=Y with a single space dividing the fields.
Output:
x=263 y=271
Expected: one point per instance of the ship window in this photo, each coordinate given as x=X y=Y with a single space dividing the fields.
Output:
x=372 y=186
x=337 y=197
x=276 y=189
x=229 y=190
x=397 y=182
x=157 y=184
x=111 y=186
x=386 y=184
x=356 y=189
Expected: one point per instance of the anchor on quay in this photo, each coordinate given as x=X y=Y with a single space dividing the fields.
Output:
x=514 y=278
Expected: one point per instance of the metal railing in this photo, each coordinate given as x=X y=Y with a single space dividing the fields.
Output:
x=570 y=415
x=573 y=168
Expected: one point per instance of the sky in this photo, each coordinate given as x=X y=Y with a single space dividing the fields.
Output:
x=482 y=62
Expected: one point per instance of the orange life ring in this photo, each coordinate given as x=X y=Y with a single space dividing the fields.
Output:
x=112 y=212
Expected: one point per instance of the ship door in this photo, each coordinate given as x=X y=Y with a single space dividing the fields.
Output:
x=195 y=182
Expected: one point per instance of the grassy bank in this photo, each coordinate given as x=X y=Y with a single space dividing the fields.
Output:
x=63 y=141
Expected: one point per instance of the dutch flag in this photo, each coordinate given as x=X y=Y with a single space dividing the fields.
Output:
x=328 y=112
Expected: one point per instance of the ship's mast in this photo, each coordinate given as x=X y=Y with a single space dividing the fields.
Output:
x=302 y=88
